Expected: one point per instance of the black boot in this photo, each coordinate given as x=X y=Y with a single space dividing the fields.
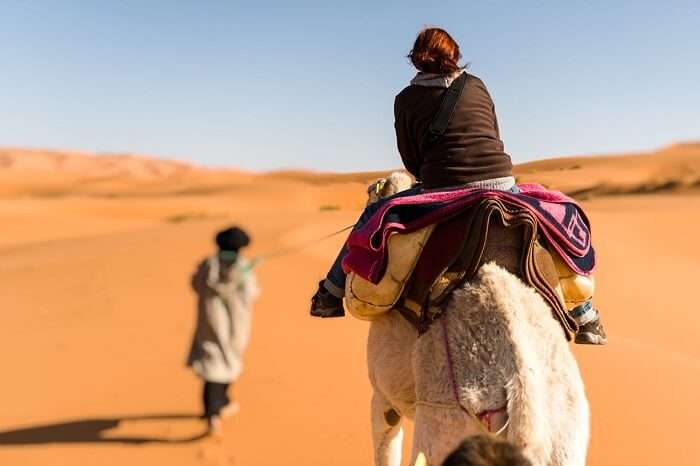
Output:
x=592 y=332
x=324 y=304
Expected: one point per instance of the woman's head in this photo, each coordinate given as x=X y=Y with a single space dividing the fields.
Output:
x=435 y=51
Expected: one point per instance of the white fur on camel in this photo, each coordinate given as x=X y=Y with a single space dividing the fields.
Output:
x=506 y=349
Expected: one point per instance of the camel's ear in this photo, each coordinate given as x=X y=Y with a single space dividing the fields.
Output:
x=420 y=460
x=379 y=187
x=375 y=191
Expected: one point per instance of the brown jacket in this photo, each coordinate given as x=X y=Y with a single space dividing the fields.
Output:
x=471 y=148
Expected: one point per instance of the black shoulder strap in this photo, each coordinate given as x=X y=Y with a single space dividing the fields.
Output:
x=442 y=118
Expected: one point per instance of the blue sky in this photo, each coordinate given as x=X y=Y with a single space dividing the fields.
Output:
x=263 y=85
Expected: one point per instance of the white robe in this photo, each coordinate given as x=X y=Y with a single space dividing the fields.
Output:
x=223 y=327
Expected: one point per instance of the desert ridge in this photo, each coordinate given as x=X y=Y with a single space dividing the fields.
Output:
x=33 y=172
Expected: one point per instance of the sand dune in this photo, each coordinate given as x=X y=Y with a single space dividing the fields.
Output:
x=674 y=168
x=95 y=256
x=37 y=173
x=42 y=173
x=89 y=165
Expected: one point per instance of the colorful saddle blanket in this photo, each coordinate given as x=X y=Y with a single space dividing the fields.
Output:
x=560 y=220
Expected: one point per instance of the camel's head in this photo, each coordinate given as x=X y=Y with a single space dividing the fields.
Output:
x=486 y=451
x=385 y=187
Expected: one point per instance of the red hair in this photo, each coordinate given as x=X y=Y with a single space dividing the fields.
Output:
x=435 y=51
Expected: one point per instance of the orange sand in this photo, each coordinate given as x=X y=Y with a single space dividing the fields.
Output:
x=95 y=256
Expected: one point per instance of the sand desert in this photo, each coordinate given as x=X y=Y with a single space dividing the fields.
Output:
x=96 y=311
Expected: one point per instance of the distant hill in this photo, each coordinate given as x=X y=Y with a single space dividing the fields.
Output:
x=676 y=167
x=46 y=173
x=58 y=162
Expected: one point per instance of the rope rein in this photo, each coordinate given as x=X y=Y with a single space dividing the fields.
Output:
x=260 y=258
x=257 y=260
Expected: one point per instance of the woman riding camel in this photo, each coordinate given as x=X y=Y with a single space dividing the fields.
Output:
x=468 y=153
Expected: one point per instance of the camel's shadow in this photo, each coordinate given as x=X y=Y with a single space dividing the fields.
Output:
x=91 y=431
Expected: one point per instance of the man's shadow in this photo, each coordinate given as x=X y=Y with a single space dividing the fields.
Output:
x=91 y=430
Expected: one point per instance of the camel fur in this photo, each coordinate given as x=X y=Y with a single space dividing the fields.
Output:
x=506 y=350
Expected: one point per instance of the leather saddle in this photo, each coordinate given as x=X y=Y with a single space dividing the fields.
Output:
x=425 y=266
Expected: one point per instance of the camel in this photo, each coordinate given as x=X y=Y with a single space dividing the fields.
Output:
x=495 y=350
